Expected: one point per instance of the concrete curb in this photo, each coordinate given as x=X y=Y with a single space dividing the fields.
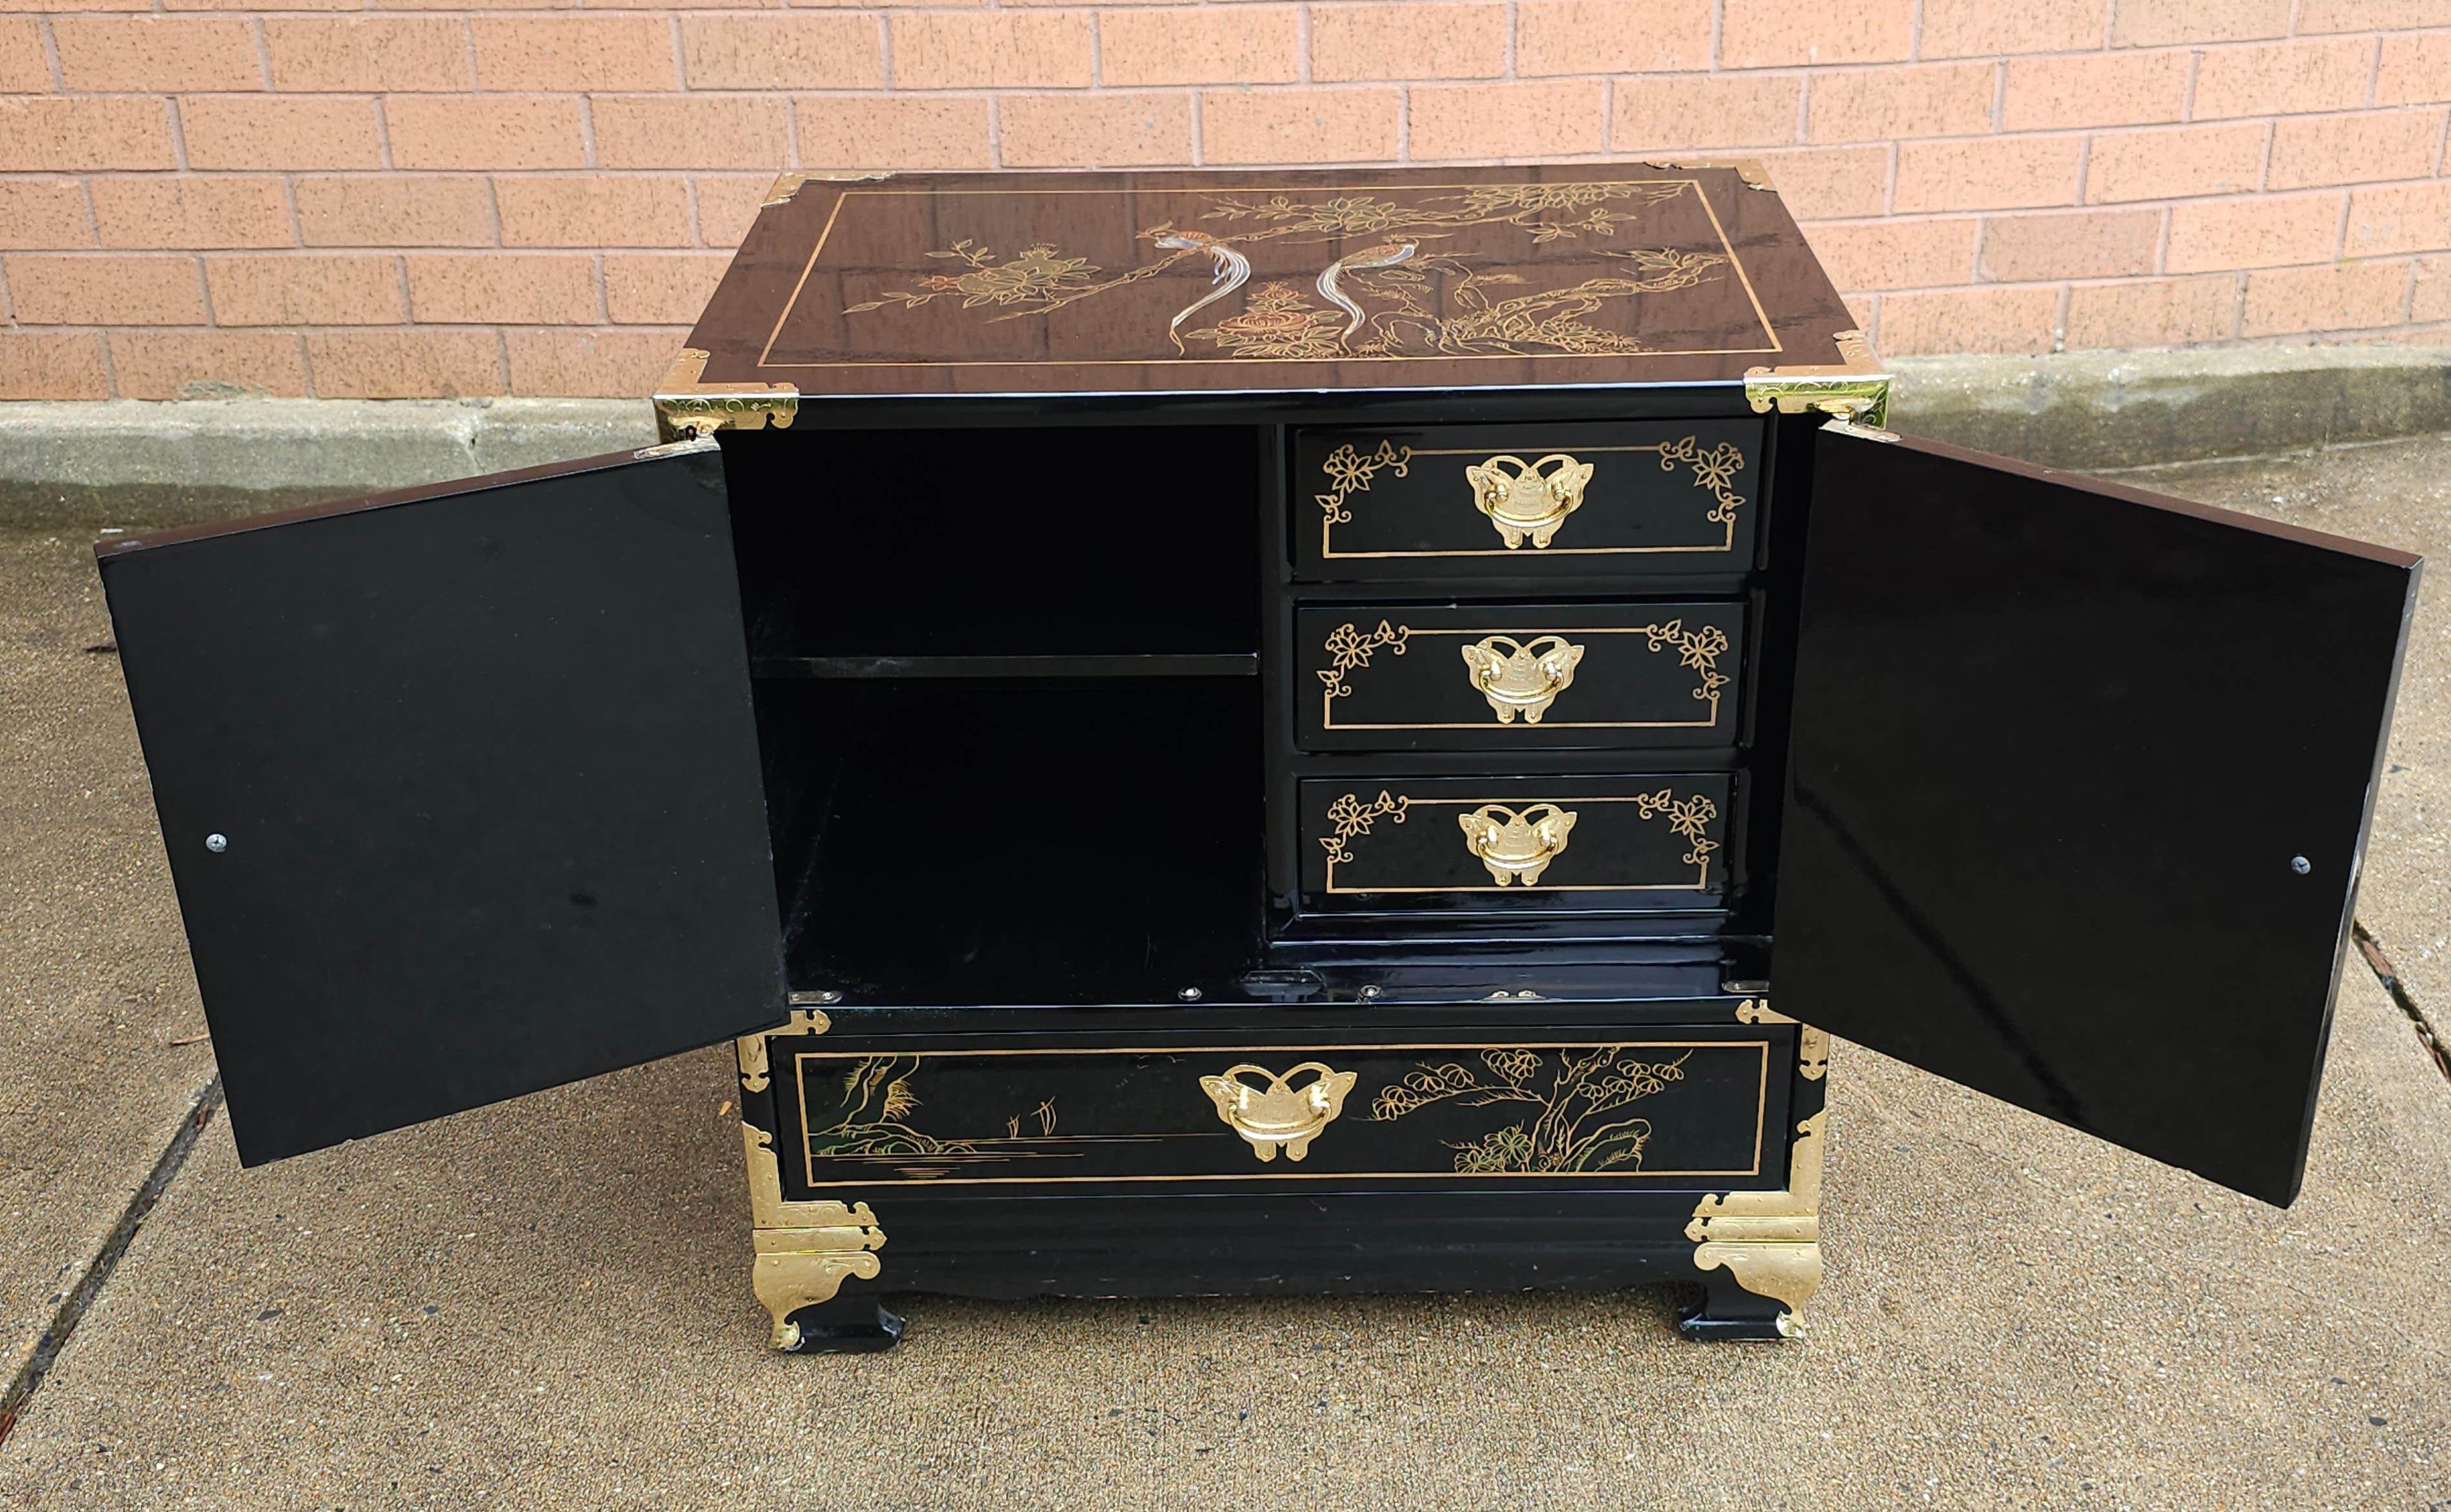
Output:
x=128 y=462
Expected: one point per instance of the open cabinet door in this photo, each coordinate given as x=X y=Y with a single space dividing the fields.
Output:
x=460 y=788
x=2079 y=789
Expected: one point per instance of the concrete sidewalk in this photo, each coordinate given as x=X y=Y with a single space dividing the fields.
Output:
x=546 y=1304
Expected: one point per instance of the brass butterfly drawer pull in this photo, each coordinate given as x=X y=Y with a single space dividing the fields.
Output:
x=1528 y=498
x=1517 y=845
x=1279 y=1113
x=1522 y=678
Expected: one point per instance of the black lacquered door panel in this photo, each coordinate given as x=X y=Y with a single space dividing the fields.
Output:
x=460 y=789
x=2080 y=783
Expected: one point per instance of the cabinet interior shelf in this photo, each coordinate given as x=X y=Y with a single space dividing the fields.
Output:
x=1203 y=664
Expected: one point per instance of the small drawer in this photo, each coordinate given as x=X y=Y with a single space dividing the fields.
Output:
x=1510 y=676
x=1654 y=497
x=1506 y=1104
x=1534 y=845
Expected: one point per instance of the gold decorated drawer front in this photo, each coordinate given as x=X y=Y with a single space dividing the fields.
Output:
x=1663 y=497
x=1658 y=1105
x=1619 y=844
x=1517 y=677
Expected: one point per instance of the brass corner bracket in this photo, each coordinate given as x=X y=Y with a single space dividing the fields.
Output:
x=750 y=1049
x=686 y=406
x=805 y=1249
x=787 y=184
x=1853 y=388
x=1771 y=1241
x=1748 y=170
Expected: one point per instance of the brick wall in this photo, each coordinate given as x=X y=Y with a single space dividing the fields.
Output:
x=395 y=198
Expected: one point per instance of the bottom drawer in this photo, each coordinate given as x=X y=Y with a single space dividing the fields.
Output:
x=1534 y=845
x=1662 y=1105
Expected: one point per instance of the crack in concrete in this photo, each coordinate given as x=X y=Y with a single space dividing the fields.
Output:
x=73 y=1308
x=2389 y=975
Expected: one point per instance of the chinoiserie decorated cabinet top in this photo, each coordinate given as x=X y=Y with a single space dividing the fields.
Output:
x=1266 y=281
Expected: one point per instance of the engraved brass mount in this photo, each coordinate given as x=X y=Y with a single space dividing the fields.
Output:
x=1528 y=498
x=1855 y=387
x=685 y=405
x=1771 y=1241
x=1523 y=678
x=1279 y=1114
x=1517 y=845
x=805 y=1251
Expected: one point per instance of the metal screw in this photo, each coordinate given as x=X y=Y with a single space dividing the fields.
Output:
x=1189 y=994
x=1369 y=992
x=2300 y=865
x=217 y=843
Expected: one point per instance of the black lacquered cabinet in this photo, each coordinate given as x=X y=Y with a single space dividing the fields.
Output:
x=1228 y=733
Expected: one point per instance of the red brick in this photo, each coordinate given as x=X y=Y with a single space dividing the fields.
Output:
x=2153 y=312
x=275 y=132
x=45 y=214
x=589 y=365
x=1300 y=125
x=51 y=366
x=1713 y=110
x=1776 y=34
x=901 y=131
x=2414 y=219
x=2349 y=296
x=2078 y=244
x=649 y=289
x=1974 y=320
x=208 y=365
x=396 y=210
x=485 y=131
x=596 y=210
x=2271 y=231
x=1989 y=173
x=1873 y=104
x=992 y=49
x=1896 y=254
x=1609 y=36
x=2431 y=299
x=305 y=288
x=405 y=365
x=1234 y=44
x=2157 y=23
x=2313 y=149
x=1966 y=29
x=1415 y=39
x=367 y=53
x=1093 y=130
x=789 y=53
x=691 y=132
x=574 y=52
x=156 y=54
x=53 y=134
x=1509 y=120
x=23 y=68
x=2413 y=68
x=103 y=290
x=1827 y=183
x=449 y=288
x=2179 y=162
x=2326 y=75
x=2367 y=15
x=192 y=211
x=2095 y=90
x=728 y=202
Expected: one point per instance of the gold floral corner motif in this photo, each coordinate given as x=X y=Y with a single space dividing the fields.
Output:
x=1853 y=388
x=686 y=406
x=1769 y=1241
